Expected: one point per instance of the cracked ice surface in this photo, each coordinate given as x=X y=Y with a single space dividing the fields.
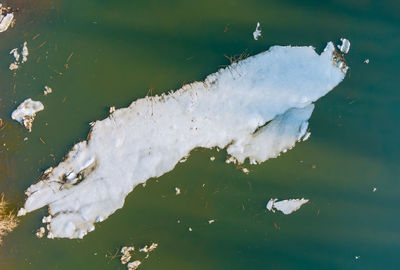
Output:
x=256 y=108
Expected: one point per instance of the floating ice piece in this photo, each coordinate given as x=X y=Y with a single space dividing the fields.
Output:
x=212 y=158
x=21 y=212
x=40 y=233
x=25 y=52
x=211 y=221
x=6 y=21
x=256 y=108
x=47 y=219
x=245 y=170
x=47 y=90
x=366 y=61
x=345 y=47
x=177 y=191
x=26 y=112
x=257 y=32
x=147 y=249
x=286 y=206
x=13 y=66
x=15 y=53
x=134 y=265
x=374 y=189
x=126 y=254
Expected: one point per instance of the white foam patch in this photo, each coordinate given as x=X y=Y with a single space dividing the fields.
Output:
x=256 y=108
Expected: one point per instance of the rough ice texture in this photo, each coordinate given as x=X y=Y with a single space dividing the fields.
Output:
x=286 y=206
x=26 y=112
x=255 y=108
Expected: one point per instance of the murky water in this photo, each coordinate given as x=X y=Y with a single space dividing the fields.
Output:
x=97 y=54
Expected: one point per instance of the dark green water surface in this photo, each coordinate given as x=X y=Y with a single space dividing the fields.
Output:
x=120 y=49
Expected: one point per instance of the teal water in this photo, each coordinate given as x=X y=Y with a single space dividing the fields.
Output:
x=122 y=49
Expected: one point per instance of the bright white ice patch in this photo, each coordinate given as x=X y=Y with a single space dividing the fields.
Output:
x=257 y=32
x=286 y=206
x=256 y=108
x=26 y=112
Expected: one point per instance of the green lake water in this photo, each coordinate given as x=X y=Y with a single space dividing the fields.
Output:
x=118 y=51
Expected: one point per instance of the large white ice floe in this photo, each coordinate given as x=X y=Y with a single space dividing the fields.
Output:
x=255 y=108
x=26 y=112
x=286 y=206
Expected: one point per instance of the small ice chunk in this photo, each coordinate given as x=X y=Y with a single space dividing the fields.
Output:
x=345 y=47
x=47 y=219
x=15 y=53
x=13 y=66
x=190 y=229
x=6 y=21
x=230 y=160
x=177 y=191
x=211 y=221
x=40 y=233
x=148 y=249
x=357 y=257
x=50 y=235
x=21 y=212
x=212 y=158
x=25 y=52
x=270 y=204
x=26 y=112
x=366 y=61
x=112 y=109
x=126 y=254
x=153 y=246
x=47 y=90
x=374 y=189
x=286 y=206
x=257 y=32
x=134 y=265
x=245 y=170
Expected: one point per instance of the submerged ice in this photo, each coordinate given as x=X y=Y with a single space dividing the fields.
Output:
x=255 y=108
